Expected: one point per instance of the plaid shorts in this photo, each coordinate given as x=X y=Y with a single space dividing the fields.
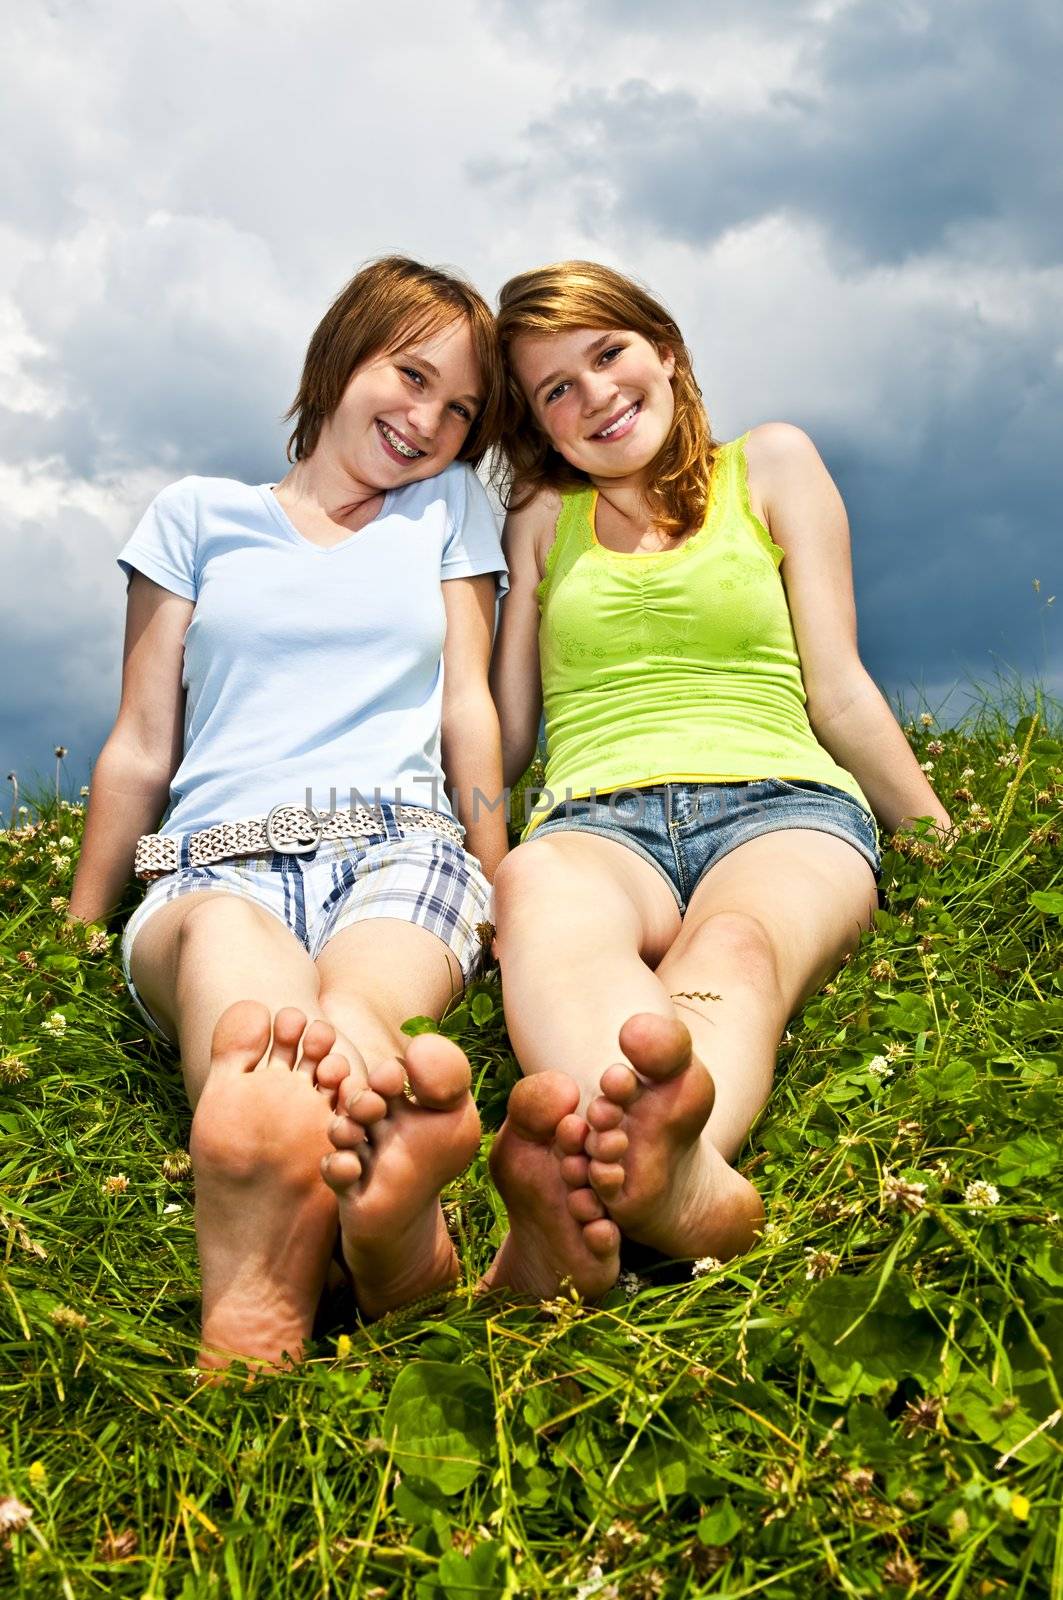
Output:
x=413 y=876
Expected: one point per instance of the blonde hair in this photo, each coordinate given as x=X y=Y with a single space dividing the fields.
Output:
x=583 y=294
x=388 y=304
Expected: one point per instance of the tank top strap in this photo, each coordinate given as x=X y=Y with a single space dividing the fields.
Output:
x=574 y=534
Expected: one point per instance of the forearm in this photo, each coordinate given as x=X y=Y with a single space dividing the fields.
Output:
x=862 y=734
x=127 y=797
x=472 y=762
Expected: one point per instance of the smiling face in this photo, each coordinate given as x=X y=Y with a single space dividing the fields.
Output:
x=405 y=414
x=603 y=399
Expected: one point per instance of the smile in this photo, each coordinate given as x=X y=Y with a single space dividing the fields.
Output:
x=401 y=446
x=621 y=424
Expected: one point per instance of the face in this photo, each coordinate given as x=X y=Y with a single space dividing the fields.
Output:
x=604 y=400
x=406 y=414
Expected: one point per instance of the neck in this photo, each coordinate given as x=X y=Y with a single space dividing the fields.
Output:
x=627 y=497
x=321 y=483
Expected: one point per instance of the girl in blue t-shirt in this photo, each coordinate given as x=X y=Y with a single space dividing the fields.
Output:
x=305 y=687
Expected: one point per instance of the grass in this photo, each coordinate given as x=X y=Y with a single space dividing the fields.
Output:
x=868 y=1403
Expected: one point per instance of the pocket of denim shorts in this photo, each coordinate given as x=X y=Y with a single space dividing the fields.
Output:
x=828 y=791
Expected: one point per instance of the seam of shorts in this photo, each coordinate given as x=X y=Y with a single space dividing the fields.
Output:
x=571 y=825
x=781 y=826
x=131 y=933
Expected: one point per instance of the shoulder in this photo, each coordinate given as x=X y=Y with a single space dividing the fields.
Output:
x=779 y=447
x=195 y=494
x=531 y=528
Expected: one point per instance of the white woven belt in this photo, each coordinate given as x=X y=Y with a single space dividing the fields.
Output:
x=289 y=830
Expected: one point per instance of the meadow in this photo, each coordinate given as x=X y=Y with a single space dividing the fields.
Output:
x=868 y=1403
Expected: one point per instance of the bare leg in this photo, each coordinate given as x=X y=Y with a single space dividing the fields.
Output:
x=256 y=1135
x=393 y=1155
x=762 y=930
x=559 y=1231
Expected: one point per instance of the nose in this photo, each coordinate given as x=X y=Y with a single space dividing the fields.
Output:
x=597 y=390
x=425 y=417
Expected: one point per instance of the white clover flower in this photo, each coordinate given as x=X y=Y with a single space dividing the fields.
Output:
x=84 y=791
x=927 y=766
x=55 y=1024
x=926 y=719
x=704 y=1265
x=979 y=1194
x=13 y=1515
x=168 y=1211
x=974 y=808
x=66 y=842
x=900 y=1194
x=631 y=1283
x=596 y=1586
x=968 y=772
x=935 y=748
x=879 y=1067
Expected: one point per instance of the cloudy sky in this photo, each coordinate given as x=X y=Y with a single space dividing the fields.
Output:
x=853 y=208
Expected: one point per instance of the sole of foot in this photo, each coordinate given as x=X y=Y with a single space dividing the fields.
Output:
x=265 y=1223
x=558 y=1228
x=396 y=1144
x=650 y=1162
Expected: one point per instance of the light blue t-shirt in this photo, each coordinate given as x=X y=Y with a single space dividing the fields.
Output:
x=308 y=669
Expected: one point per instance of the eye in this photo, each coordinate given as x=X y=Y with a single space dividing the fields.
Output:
x=412 y=373
x=463 y=411
x=558 y=389
x=609 y=355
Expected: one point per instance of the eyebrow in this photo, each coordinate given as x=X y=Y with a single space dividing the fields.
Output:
x=592 y=349
x=470 y=399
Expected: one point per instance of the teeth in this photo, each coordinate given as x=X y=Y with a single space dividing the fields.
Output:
x=399 y=444
x=628 y=414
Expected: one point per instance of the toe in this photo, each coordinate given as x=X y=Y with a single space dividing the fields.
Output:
x=345 y=1134
x=585 y=1206
x=288 y=1026
x=602 y=1237
x=387 y=1079
x=571 y=1132
x=537 y=1105
x=341 y=1169
x=366 y=1107
x=574 y=1171
x=331 y=1072
x=241 y=1037
x=318 y=1040
x=605 y=1112
x=438 y=1071
x=658 y=1047
x=609 y=1146
x=606 y=1178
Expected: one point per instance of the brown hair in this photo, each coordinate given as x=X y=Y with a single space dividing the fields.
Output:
x=582 y=294
x=388 y=304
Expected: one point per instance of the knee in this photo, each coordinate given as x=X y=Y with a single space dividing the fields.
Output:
x=216 y=919
x=741 y=944
x=532 y=869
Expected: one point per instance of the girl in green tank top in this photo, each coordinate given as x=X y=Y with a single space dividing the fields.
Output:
x=704 y=855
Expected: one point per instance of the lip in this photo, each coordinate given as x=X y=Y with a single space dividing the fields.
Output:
x=622 y=432
x=396 y=455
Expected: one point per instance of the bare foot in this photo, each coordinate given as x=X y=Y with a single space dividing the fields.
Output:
x=264 y=1221
x=392 y=1157
x=558 y=1228
x=658 y=1174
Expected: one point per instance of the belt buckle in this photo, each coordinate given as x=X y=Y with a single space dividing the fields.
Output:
x=297 y=838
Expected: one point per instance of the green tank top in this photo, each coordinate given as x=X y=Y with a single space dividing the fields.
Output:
x=678 y=666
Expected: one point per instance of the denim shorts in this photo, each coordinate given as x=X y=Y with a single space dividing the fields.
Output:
x=413 y=876
x=683 y=829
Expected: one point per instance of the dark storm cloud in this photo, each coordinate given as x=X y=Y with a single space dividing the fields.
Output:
x=908 y=125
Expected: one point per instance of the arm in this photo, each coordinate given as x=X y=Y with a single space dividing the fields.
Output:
x=131 y=779
x=515 y=677
x=471 y=751
x=803 y=510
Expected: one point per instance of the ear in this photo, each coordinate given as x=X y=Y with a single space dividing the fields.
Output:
x=667 y=356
